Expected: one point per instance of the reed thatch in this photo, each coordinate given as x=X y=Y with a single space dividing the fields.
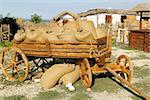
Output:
x=59 y=16
x=108 y=11
x=144 y=7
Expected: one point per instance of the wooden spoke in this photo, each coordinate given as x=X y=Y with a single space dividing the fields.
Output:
x=19 y=62
x=85 y=73
x=126 y=67
x=17 y=66
x=17 y=72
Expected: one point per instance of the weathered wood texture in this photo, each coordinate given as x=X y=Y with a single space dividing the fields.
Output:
x=140 y=39
x=63 y=49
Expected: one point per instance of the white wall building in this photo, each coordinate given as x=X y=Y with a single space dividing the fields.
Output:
x=116 y=18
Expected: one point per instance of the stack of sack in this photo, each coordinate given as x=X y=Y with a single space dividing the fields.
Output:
x=69 y=32
x=86 y=31
x=56 y=74
x=101 y=31
x=72 y=31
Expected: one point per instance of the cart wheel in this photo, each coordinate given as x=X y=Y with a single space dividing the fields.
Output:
x=85 y=73
x=14 y=64
x=126 y=67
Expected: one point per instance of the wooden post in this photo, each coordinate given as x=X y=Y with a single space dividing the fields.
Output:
x=140 y=20
x=97 y=17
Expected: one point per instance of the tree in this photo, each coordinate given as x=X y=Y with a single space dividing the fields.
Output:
x=36 y=18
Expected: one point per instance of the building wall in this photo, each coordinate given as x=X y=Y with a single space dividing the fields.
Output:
x=115 y=19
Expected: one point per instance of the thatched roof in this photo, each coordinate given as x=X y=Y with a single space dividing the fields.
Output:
x=59 y=16
x=145 y=7
x=108 y=11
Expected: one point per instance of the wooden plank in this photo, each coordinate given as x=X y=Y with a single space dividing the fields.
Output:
x=64 y=46
x=101 y=47
x=73 y=46
x=58 y=50
x=136 y=45
x=38 y=46
x=137 y=37
x=57 y=42
x=37 y=54
x=59 y=55
x=138 y=41
x=137 y=34
x=101 y=41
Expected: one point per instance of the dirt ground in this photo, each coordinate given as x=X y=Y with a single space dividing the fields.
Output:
x=103 y=88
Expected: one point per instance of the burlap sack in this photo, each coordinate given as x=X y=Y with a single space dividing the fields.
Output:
x=87 y=26
x=53 y=36
x=54 y=73
x=32 y=35
x=54 y=27
x=101 y=32
x=84 y=36
x=71 y=77
x=41 y=38
x=68 y=36
x=71 y=26
x=19 y=36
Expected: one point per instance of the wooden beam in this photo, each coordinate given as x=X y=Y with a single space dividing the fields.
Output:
x=125 y=82
x=140 y=20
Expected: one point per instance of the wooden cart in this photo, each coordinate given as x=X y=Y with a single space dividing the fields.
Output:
x=87 y=54
x=93 y=57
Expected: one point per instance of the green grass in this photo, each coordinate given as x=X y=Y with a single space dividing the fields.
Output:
x=5 y=43
x=143 y=86
x=50 y=95
x=6 y=82
x=121 y=45
x=105 y=84
x=135 y=98
x=15 y=97
x=141 y=72
x=79 y=86
x=80 y=96
x=141 y=56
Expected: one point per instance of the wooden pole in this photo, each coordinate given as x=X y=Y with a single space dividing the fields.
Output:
x=97 y=17
x=140 y=20
x=123 y=81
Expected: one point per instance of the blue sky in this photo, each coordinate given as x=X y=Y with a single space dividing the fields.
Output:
x=49 y=8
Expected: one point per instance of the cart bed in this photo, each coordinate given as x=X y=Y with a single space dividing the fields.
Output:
x=61 y=49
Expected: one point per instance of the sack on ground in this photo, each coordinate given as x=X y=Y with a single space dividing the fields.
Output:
x=54 y=73
x=71 y=77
